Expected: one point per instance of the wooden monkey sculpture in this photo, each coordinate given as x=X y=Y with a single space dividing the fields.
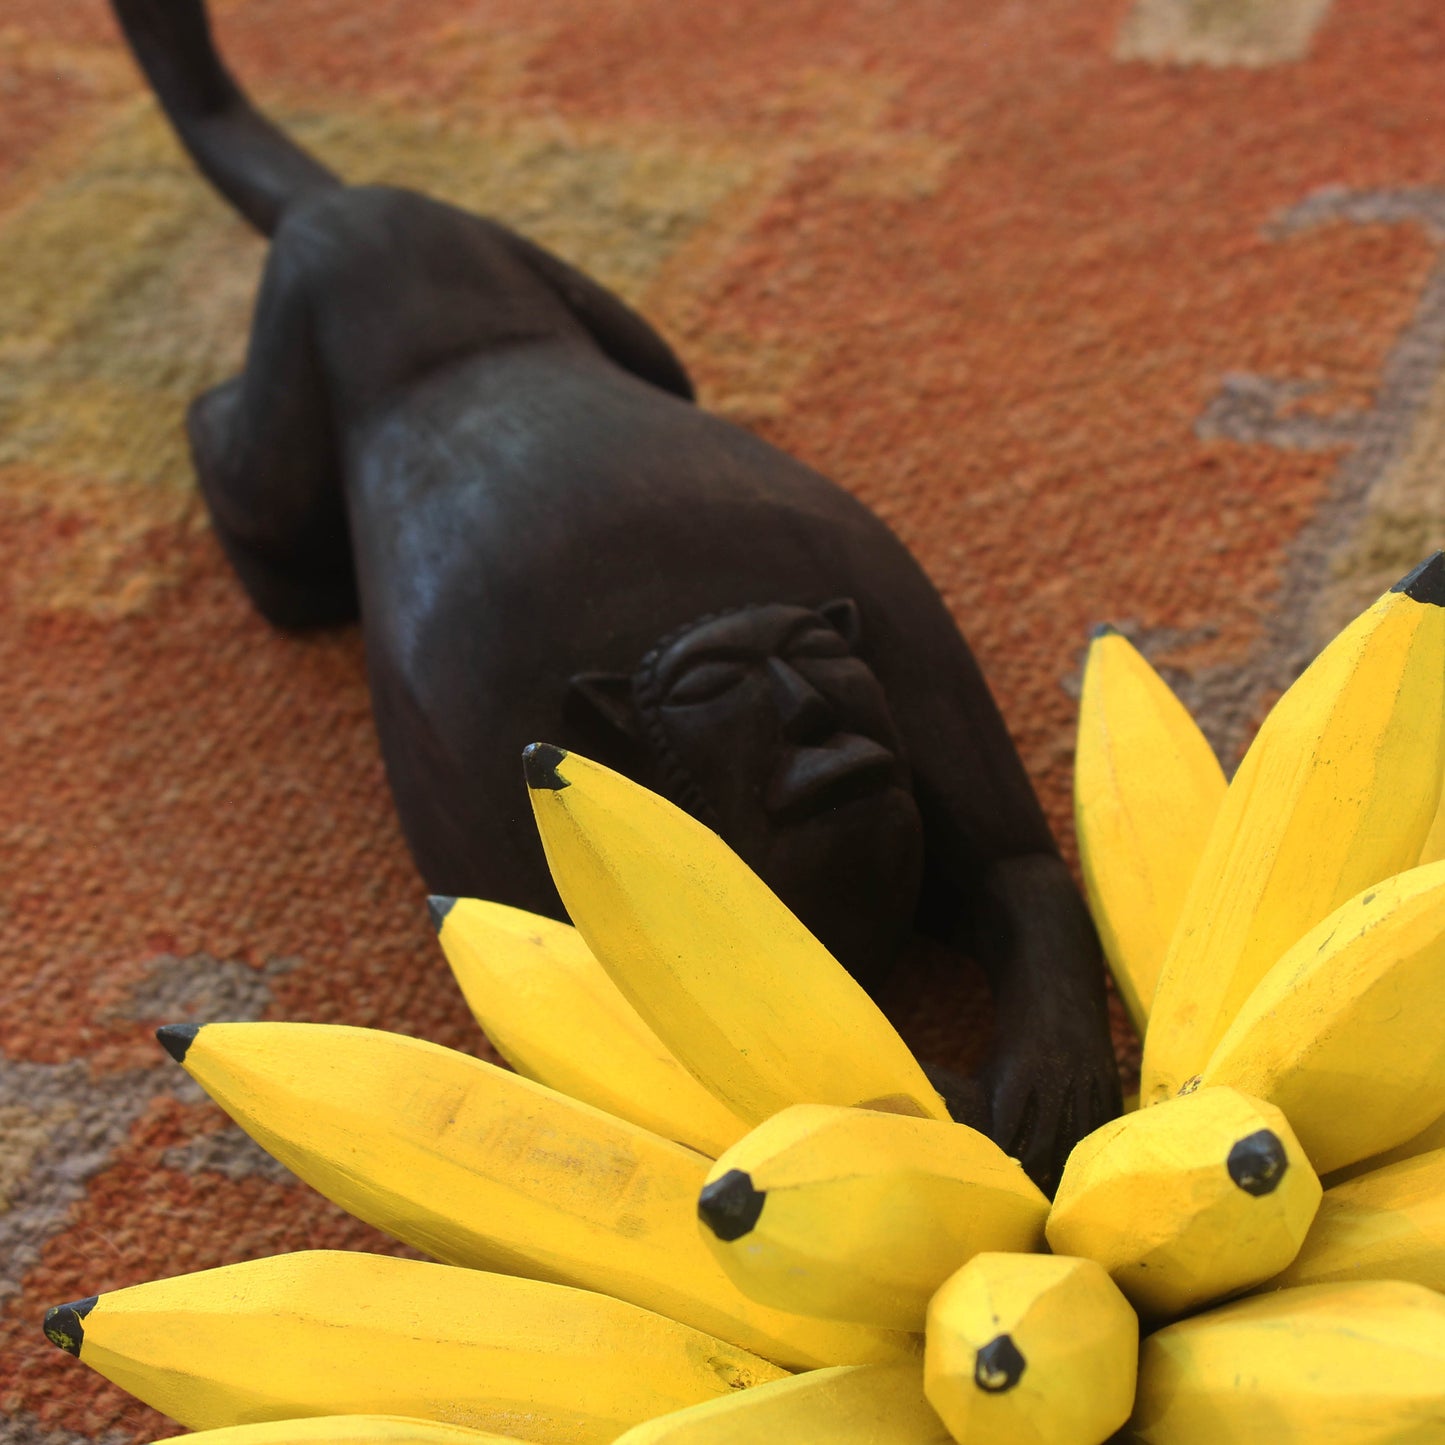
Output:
x=499 y=467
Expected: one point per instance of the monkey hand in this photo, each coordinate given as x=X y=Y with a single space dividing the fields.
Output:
x=1051 y=1079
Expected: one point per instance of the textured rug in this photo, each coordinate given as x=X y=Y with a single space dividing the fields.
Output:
x=1128 y=311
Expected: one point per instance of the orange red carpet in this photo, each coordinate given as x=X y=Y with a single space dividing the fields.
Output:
x=1133 y=311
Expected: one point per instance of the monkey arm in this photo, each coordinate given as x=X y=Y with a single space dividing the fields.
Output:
x=1050 y=1076
x=996 y=888
x=1033 y=935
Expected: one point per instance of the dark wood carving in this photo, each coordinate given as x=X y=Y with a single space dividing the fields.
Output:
x=499 y=467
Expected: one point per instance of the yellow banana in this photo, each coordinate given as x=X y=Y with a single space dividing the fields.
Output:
x=1031 y=1349
x=482 y=1168
x=1433 y=849
x=740 y=992
x=1385 y=1225
x=1337 y=792
x=1341 y=1364
x=855 y=1215
x=847 y=1405
x=1147 y=787
x=1187 y=1202
x=352 y=1430
x=328 y=1332
x=1430 y=1138
x=556 y=1017
x=1344 y=1032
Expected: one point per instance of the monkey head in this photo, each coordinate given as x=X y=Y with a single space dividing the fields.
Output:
x=766 y=725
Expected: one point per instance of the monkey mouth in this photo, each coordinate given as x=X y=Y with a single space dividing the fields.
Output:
x=826 y=775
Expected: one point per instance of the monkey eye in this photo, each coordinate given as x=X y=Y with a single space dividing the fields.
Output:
x=819 y=642
x=704 y=682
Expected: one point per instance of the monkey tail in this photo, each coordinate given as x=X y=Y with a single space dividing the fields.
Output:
x=256 y=167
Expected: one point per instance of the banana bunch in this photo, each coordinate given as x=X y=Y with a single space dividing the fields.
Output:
x=479 y=1167
x=1293 y=1032
x=1311 y=1045
x=575 y=1296
x=1336 y=794
x=717 y=1164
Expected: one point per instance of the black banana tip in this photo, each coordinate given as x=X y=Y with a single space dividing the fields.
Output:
x=63 y=1326
x=1258 y=1163
x=1426 y=583
x=539 y=762
x=730 y=1206
x=176 y=1039
x=1104 y=629
x=998 y=1366
x=439 y=906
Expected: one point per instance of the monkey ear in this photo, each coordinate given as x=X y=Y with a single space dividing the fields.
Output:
x=842 y=613
x=608 y=696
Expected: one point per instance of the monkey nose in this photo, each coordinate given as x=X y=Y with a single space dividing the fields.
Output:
x=802 y=709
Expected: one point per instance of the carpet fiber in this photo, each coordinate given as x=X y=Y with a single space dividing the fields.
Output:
x=1127 y=311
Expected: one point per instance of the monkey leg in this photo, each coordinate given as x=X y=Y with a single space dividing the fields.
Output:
x=265 y=455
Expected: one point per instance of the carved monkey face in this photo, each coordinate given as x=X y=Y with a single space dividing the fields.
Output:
x=772 y=715
x=766 y=724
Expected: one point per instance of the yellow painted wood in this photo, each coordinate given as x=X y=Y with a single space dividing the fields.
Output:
x=1031 y=1350
x=739 y=991
x=1344 y=1033
x=556 y=1016
x=1337 y=792
x=482 y=1168
x=1147 y=788
x=328 y=1332
x=1433 y=849
x=1152 y=1198
x=866 y=1214
x=1385 y=1225
x=352 y=1430
x=1430 y=1138
x=849 y=1405
x=1345 y=1364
